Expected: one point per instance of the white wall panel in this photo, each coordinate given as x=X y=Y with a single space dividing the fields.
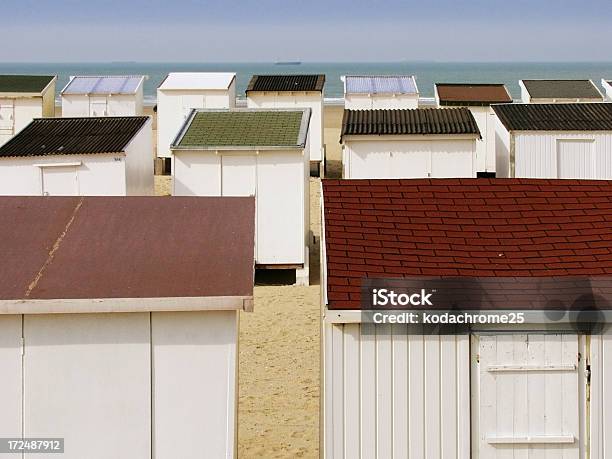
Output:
x=195 y=385
x=87 y=378
x=10 y=379
x=388 y=393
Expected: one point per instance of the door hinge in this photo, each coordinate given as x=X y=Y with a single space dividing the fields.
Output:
x=22 y=346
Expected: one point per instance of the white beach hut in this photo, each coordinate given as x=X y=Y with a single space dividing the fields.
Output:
x=123 y=339
x=180 y=92
x=607 y=85
x=559 y=91
x=110 y=156
x=478 y=98
x=417 y=143
x=103 y=96
x=23 y=98
x=380 y=91
x=554 y=141
x=252 y=152
x=536 y=389
x=294 y=91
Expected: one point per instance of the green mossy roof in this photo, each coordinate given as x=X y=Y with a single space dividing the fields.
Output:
x=243 y=128
x=24 y=83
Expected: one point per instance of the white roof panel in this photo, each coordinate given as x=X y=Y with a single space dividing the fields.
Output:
x=127 y=84
x=198 y=80
x=380 y=84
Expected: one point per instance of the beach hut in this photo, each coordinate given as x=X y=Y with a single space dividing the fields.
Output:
x=484 y=248
x=294 y=91
x=103 y=96
x=607 y=85
x=119 y=322
x=23 y=98
x=416 y=143
x=253 y=152
x=109 y=156
x=362 y=92
x=478 y=98
x=554 y=141
x=180 y=92
x=559 y=91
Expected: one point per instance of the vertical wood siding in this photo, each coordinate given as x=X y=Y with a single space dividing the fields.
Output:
x=393 y=395
x=536 y=154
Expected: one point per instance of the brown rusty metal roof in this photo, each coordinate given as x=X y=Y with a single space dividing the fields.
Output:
x=65 y=136
x=421 y=121
x=126 y=247
x=555 y=117
x=472 y=94
x=286 y=83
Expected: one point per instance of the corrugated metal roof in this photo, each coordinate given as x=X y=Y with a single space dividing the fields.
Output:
x=455 y=94
x=407 y=122
x=126 y=247
x=245 y=128
x=555 y=117
x=562 y=89
x=24 y=83
x=65 y=136
x=282 y=83
x=103 y=84
x=463 y=228
x=380 y=84
x=198 y=80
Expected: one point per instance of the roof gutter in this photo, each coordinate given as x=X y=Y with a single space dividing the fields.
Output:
x=117 y=305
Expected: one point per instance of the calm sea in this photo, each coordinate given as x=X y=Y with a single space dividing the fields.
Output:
x=427 y=73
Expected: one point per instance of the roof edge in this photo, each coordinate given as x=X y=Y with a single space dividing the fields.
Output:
x=118 y=305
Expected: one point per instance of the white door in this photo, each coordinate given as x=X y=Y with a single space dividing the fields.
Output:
x=7 y=117
x=410 y=160
x=87 y=379
x=60 y=181
x=10 y=379
x=452 y=158
x=575 y=159
x=368 y=160
x=238 y=175
x=98 y=106
x=280 y=212
x=529 y=403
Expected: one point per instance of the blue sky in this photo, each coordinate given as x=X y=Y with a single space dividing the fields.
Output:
x=315 y=30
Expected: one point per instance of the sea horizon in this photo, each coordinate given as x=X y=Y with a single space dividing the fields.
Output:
x=427 y=72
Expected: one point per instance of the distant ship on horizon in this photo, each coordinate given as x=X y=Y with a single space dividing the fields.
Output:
x=288 y=63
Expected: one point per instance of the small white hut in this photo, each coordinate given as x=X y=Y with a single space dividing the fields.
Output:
x=180 y=92
x=23 y=98
x=567 y=141
x=253 y=152
x=478 y=99
x=119 y=323
x=110 y=156
x=294 y=91
x=417 y=143
x=607 y=85
x=362 y=92
x=103 y=96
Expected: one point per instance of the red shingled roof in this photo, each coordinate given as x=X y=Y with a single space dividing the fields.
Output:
x=463 y=227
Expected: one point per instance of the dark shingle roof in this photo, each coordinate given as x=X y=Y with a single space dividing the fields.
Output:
x=24 y=83
x=463 y=227
x=562 y=89
x=283 y=83
x=245 y=128
x=472 y=94
x=64 y=136
x=555 y=117
x=409 y=121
